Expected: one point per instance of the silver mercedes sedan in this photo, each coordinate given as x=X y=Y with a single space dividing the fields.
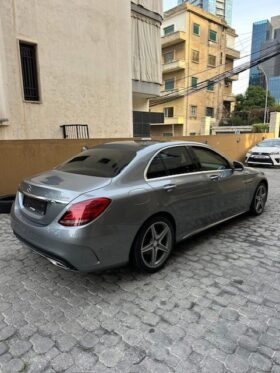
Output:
x=131 y=201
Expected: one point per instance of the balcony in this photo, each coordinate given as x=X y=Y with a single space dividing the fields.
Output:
x=233 y=78
x=229 y=97
x=232 y=54
x=174 y=120
x=172 y=39
x=173 y=66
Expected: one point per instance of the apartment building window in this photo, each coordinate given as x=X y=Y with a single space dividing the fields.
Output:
x=209 y=112
x=168 y=30
x=168 y=57
x=211 y=60
x=210 y=86
x=194 y=82
x=193 y=113
x=168 y=112
x=195 y=56
x=29 y=71
x=169 y=84
x=212 y=36
x=196 y=29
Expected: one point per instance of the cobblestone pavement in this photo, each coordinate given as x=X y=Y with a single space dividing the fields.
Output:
x=214 y=308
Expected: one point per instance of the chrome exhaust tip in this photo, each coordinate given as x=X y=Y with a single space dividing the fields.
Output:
x=59 y=264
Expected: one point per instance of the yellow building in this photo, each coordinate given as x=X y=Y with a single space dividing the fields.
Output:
x=196 y=46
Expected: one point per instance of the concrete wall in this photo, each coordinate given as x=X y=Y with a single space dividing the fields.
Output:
x=20 y=159
x=84 y=60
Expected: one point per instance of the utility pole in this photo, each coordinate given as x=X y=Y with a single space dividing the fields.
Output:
x=266 y=93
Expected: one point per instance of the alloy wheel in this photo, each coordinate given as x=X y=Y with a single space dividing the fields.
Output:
x=156 y=244
x=260 y=198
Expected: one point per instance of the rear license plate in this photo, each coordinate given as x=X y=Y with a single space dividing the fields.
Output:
x=35 y=205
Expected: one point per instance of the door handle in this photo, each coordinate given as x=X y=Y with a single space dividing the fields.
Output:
x=169 y=187
x=214 y=177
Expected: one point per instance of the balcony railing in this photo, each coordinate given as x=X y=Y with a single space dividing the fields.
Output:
x=173 y=66
x=172 y=39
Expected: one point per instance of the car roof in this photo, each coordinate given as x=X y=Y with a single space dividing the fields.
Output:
x=138 y=145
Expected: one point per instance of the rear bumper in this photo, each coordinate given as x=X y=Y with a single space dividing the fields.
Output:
x=85 y=250
x=55 y=245
x=54 y=259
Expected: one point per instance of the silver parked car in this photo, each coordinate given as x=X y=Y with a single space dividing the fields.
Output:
x=131 y=201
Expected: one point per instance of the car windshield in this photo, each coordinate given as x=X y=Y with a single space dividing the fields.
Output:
x=270 y=143
x=100 y=161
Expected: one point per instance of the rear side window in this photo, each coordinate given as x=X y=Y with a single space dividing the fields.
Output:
x=171 y=161
x=99 y=161
x=157 y=168
x=209 y=160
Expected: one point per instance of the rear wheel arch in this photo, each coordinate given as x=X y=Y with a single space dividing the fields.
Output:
x=163 y=214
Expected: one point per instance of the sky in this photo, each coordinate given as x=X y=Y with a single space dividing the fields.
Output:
x=244 y=13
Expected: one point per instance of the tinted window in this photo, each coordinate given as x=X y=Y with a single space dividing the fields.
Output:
x=210 y=160
x=100 y=161
x=157 y=168
x=171 y=161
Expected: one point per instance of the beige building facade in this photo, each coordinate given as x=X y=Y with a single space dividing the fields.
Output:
x=77 y=62
x=196 y=46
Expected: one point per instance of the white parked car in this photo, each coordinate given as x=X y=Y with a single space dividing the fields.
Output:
x=267 y=152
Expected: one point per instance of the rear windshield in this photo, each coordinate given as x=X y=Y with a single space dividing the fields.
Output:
x=99 y=161
x=268 y=143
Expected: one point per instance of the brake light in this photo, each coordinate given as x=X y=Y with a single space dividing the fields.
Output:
x=84 y=212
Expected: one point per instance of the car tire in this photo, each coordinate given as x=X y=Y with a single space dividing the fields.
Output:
x=153 y=244
x=259 y=199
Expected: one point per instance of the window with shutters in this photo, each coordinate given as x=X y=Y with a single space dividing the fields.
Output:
x=212 y=36
x=168 y=30
x=196 y=29
x=211 y=60
x=169 y=84
x=195 y=56
x=194 y=82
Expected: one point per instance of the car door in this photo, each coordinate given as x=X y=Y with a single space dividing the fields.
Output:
x=180 y=189
x=229 y=186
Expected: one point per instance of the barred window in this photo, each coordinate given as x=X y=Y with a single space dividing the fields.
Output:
x=29 y=71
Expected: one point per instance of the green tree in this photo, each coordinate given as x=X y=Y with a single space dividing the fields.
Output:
x=254 y=98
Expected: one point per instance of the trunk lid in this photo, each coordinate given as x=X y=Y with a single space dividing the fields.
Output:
x=44 y=196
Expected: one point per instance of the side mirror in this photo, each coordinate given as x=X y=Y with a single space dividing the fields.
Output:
x=238 y=166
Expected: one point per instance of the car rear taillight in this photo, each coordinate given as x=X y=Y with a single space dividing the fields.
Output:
x=84 y=212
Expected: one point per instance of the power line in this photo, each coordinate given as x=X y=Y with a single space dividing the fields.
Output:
x=216 y=79
x=211 y=69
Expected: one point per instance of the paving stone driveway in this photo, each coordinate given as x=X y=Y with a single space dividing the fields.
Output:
x=214 y=308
